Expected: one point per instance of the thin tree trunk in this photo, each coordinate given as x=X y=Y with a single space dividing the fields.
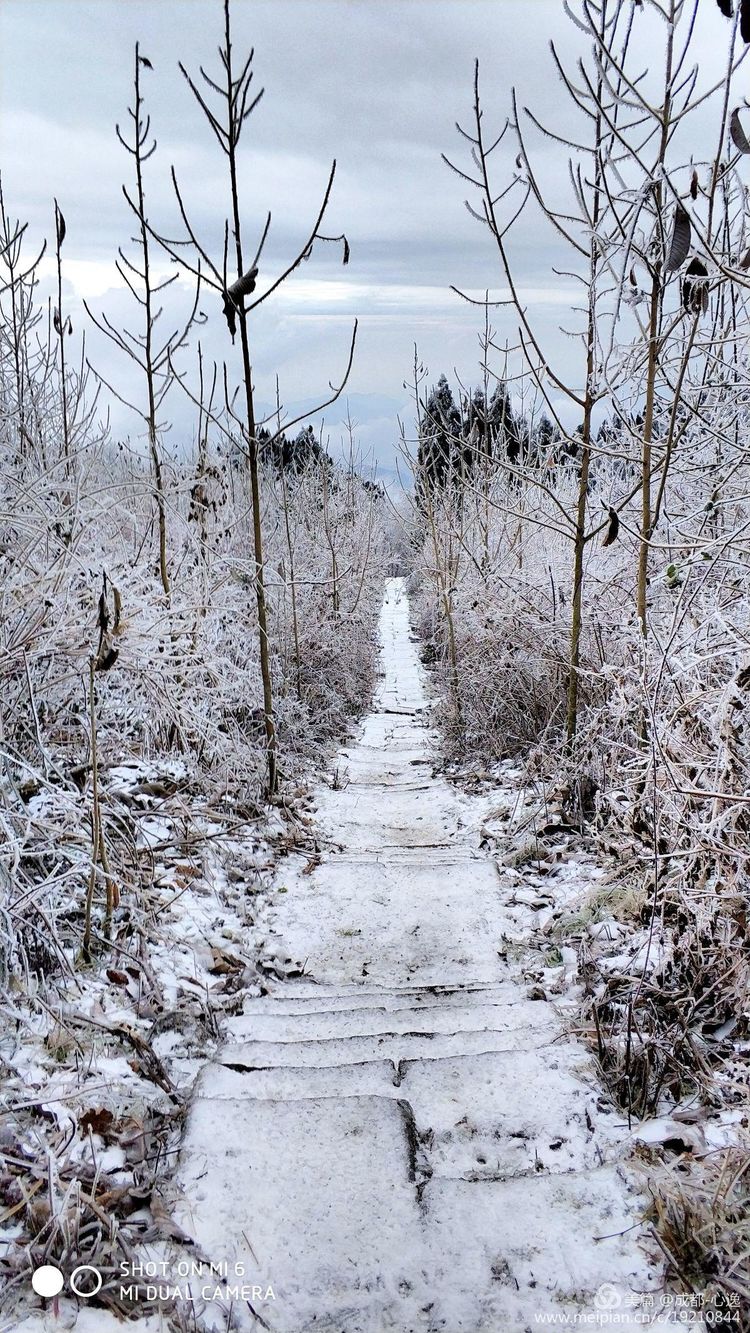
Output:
x=579 y=540
x=252 y=446
x=61 y=334
x=653 y=354
x=153 y=443
x=293 y=582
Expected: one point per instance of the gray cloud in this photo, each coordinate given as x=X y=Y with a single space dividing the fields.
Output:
x=379 y=86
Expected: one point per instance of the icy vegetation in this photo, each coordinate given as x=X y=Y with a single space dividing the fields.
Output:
x=135 y=834
x=582 y=592
x=186 y=627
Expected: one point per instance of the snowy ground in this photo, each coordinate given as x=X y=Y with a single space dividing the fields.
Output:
x=405 y=1138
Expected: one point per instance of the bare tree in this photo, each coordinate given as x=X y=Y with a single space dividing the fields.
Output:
x=152 y=355
x=624 y=213
x=236 y=103
x=20 y=316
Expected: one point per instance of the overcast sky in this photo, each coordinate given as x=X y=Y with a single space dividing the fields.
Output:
x=378 y=86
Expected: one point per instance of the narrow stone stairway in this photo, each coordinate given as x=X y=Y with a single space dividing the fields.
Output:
x=402 y=1140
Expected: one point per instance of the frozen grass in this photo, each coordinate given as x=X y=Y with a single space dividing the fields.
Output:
x=655 y=782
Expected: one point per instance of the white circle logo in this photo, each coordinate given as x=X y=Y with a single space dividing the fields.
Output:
x=84 y=1292
x=607 y=1297
x=47 y=1281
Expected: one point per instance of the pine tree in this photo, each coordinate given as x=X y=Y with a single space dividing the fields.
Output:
x=292 y=457
x=504 y=429
x=439 y=455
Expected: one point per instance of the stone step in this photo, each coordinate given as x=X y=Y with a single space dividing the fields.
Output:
x=375 y=780
x=418 y=924
x=298 y=996
x=328 y=1200
x=395 y=1047
x=555 y=1125
x=370 y=1078
x=433 y=858
x=276 y=1024
x=531 y=1109
x=514 y=1251
x=317 y=1199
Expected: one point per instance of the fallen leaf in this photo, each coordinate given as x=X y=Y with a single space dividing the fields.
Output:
x=98 y=1121
x=223 y=963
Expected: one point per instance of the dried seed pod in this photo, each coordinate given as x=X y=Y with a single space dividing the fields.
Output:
x=106 y=657
x=680 y=243
x=103 y=616
x=694 y=185
x=726 y=8
x=695 y=288
x=243 y=286
x=613 y=529
x=230 y=314
x=736 y=132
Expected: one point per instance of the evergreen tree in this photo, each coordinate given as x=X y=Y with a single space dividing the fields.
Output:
x=476 y=430
x=291 y=457
x=440 y=448
x=545 y=440
x=454 y=442
x=504 y=428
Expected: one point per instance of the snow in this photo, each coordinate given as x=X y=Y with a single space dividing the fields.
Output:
x=83 y=1320
x=400 y=1139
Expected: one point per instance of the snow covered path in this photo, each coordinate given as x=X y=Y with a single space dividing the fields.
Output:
x=403 y=1140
